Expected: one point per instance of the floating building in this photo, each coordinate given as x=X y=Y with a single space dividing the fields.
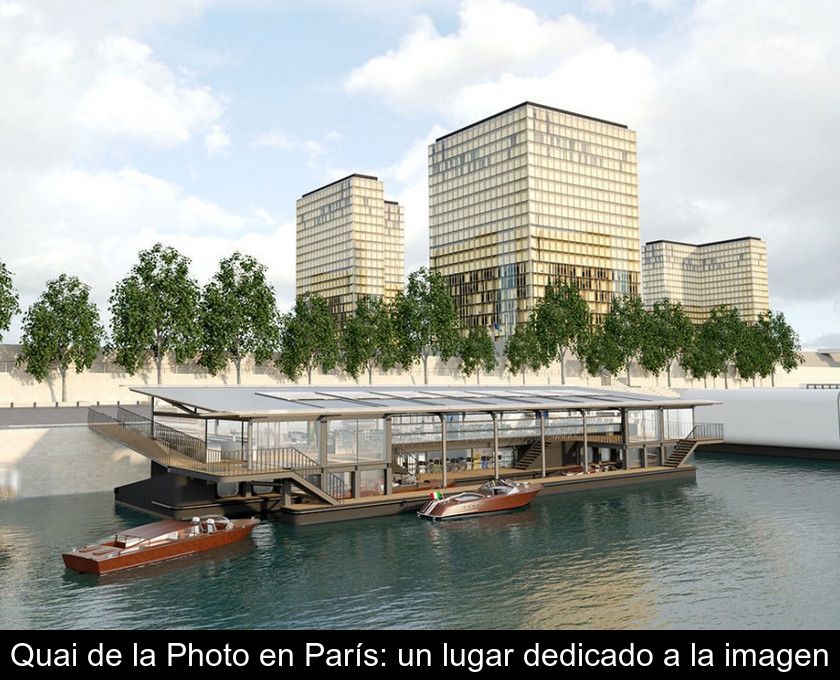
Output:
x=350 y=243
x=702 y=276
x=325 y=454
x=531 y=195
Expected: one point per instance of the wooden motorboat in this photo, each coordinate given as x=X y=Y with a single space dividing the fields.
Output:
x=156 y=542
x=495 y=496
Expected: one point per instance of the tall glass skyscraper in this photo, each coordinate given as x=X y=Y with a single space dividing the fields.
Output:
x=350 y=243
x=530 y=195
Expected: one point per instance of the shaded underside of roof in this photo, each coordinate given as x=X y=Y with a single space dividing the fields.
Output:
x=308 y=403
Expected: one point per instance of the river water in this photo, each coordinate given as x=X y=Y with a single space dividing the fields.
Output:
x=755 y=542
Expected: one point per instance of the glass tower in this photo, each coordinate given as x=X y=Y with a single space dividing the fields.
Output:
x=350 y=243
x=531 y=195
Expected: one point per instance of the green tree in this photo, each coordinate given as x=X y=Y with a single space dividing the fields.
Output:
x=700 y=358
x=238 y=316
x=624 y=327
x=561 y=318
x=308 y=338
x=755 y=354
x=426 y=320
x=725 y=327
x=477 y=351
x=666 y=333
x=522 y=351
x=61 y=329
x=601 y=352
x=368 y=339
x=154 y=310
x=8 y=300
x=788 y=350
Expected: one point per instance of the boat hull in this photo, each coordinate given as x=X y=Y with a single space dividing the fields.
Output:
x=116 y=559
x=438 y=510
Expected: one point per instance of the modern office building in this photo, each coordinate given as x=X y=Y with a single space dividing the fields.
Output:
x=702 y=276
x=350 y=243
x=530 y=195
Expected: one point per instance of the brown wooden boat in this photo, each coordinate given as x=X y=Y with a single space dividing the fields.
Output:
x=497 y=496
x=156 y=542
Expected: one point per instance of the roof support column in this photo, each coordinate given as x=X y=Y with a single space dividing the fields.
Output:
x=585 y=442
x=443 y=449
x=660 y=413
x=495 y=445
x=152 y=433
x=389 y=456
x=625 y=439
x=541 y=415
x=250 y=447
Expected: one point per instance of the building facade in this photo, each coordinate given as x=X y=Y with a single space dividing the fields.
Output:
x=702 y=276
x=350 y=243
x=531 y=195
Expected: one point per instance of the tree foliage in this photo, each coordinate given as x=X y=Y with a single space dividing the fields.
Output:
x=561 y=320
x=601 y=352
x=154 y=310
x=477 y=352
x=238 y=315
x=368 y=339
x=9 y=300
x=667 y=332
x=61 y=329
x=426 y=320
x=308 y=338
x=623 y=334
x=522 y=351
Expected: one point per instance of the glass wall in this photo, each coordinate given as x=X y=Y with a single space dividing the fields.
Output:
x=356 y=441
x=300 y=435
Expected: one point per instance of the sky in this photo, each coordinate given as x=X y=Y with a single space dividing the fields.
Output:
x=198 y=123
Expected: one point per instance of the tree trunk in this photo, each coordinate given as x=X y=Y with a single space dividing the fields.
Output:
x=726 y=377
x=773 y=378
x=370 y=374
x=238 y=363
x=563 y=367
x=159 y=364
x=628 y=374
x=478 y=377
x=309 y=373
x=63 y=373
x=705 y=383
x=669 y=373
x=523 y=376
x=425 y=369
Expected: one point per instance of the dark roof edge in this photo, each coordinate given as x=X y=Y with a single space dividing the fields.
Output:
x=699 y=245
x=329 y=184
x=391 y=202
x=527 y=103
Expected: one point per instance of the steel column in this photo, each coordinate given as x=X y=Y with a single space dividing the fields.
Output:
x=585 y=443
x=443 y=447
x=542 y=442
x=495 y=446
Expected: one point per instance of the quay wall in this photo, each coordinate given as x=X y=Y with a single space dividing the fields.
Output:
x=68 y=459
x=107 y=384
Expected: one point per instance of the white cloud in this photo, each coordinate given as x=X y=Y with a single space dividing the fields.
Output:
x=493 y=37
x=312 y=148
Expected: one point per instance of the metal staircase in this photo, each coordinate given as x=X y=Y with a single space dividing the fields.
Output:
x=528 y=456
x=702 y=433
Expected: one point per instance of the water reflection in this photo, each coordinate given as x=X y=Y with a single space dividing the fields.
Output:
x=730 y=550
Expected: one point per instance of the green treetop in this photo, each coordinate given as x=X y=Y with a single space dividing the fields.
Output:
x=477 y=352
x=426 y=320
x=61 y=329
x=154 y=310
x=308 y=338
x=522 y=351
x=624 y=328
x=666 y=333
x=368 y=339
x=238 y=315
x=8 y=299
x=561 y=319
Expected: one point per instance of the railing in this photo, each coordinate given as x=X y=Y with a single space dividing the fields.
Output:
x=822 y=386
x=174 y=449
x=703 y=431
x=476 y=430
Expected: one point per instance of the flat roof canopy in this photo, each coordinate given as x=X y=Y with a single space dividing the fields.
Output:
x=312 y=402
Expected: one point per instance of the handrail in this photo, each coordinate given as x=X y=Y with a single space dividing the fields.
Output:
x=705 y=431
